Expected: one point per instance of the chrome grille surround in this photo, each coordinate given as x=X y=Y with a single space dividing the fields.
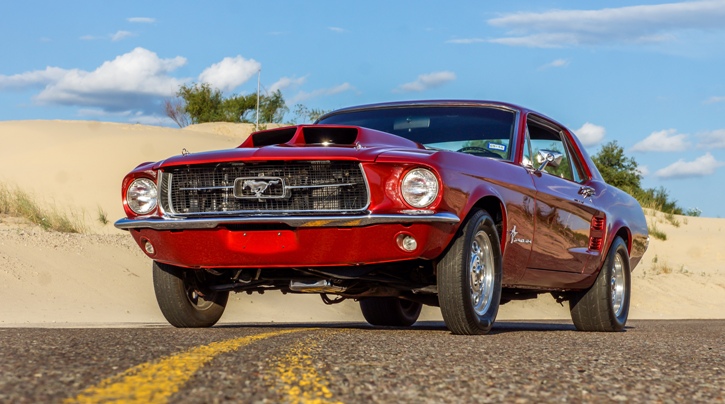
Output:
x=306 y=187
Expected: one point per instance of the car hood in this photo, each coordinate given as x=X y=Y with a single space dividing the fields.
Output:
x=304 y=142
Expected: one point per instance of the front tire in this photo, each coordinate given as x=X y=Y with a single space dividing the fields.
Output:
x=183 y=299
x=605 y=306
x=390 y=311
x=469 y=278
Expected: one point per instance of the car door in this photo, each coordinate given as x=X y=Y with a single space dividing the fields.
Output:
x=564 y=211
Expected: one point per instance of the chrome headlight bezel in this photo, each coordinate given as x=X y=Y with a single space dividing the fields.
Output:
x=142 y=196
x=420 y=187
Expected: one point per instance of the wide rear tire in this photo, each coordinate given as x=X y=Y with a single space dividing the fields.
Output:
x=469 y=277
x=390 y=311
x=605 y=305
x=183 y=299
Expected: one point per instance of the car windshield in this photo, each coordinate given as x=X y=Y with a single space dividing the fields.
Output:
x=483 y=131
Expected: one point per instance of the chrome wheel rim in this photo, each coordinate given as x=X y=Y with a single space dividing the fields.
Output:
x=618 y=285
x=481 y=273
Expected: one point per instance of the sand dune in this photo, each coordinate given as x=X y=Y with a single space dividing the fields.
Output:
x=102 y=278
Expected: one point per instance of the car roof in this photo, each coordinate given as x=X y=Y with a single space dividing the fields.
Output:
x=428 y=103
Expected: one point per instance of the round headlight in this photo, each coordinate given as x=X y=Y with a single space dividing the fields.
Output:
x=141 y=196
x=419 y=187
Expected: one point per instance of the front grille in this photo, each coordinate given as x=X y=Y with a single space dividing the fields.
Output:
x=271 y=187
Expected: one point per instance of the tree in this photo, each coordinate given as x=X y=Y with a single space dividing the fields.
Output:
x=308 y=115
x=617 y=169
x=202 y=103
x=176 y=110
x=623 y=172
x=272 y=108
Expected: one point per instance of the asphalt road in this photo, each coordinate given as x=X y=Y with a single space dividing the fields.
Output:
x=662 y=361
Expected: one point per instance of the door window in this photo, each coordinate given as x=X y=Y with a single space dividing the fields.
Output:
x=542 y=136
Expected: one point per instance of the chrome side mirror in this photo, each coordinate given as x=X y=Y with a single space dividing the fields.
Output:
x=549 y=158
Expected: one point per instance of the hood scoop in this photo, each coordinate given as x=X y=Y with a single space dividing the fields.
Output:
x=304 y=135
x=325 y=135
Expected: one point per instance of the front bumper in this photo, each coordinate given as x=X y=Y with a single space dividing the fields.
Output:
x=188 y=223
x=240 y=242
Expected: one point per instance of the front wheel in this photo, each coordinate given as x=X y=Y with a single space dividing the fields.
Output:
x=184 y=299
x=605 y=306
x=469 y=278
x=390 y=311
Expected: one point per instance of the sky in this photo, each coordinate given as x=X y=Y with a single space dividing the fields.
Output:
x=649 y=75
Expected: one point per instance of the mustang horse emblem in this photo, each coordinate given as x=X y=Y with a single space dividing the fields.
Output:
x=258 y=187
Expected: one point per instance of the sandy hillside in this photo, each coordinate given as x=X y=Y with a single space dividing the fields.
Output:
x=102 y=277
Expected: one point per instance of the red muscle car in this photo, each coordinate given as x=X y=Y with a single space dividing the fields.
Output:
x=464 y=205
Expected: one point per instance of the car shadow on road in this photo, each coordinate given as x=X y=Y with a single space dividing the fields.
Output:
x=498 y=327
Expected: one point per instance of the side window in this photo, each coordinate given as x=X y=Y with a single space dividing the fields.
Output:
x=545 y=137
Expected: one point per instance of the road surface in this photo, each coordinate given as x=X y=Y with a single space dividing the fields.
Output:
x=665 y=361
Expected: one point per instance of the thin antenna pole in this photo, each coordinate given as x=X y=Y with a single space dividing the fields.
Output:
x=259 y=74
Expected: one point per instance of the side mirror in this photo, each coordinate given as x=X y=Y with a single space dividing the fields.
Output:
x=549 y=158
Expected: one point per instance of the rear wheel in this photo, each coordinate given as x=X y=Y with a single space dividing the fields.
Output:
x=469 y=278
x=184 y=299
x=605 y=306
x=390 y=311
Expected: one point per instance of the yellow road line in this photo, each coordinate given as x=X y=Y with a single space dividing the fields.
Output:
x=301 y=383
x=156 y=381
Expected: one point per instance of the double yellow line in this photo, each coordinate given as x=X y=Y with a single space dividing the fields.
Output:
x=157 y=381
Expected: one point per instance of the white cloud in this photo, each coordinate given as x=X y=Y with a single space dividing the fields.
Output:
x=538 y=40
x=713 y=100
x=466 y=41
x=142 y=20
x=120 y=35
x=712 y=140
x=590 y=134
x=230 y=72
x=302 y=95
x=632 y=24
x=643 y=170
x=337 y=29
x=32 y=79
x=287 y=82
x=87 y=38
x=663 y=141
x=555 y=64
x=135 y=80
x=426 y=81
x=700 y=167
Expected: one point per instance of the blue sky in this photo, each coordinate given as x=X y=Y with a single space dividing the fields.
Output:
x=650 y=75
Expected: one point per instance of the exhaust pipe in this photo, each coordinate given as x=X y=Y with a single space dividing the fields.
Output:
x=308 y=286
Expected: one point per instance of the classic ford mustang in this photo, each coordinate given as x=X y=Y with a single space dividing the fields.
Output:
x=464 y=205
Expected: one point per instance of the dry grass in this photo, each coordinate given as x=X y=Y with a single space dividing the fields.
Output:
x=672 y=219
x=18 y=203
x=660 y=267
x=102 y=216
x=655 y=232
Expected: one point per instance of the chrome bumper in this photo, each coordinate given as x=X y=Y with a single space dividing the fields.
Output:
x=168 y=223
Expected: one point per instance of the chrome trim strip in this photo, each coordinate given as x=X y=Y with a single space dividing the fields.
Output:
x=321 y=185
x=168 y=223
x=204 y=188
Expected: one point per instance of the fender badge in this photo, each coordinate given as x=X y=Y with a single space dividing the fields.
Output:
x=514 y=233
